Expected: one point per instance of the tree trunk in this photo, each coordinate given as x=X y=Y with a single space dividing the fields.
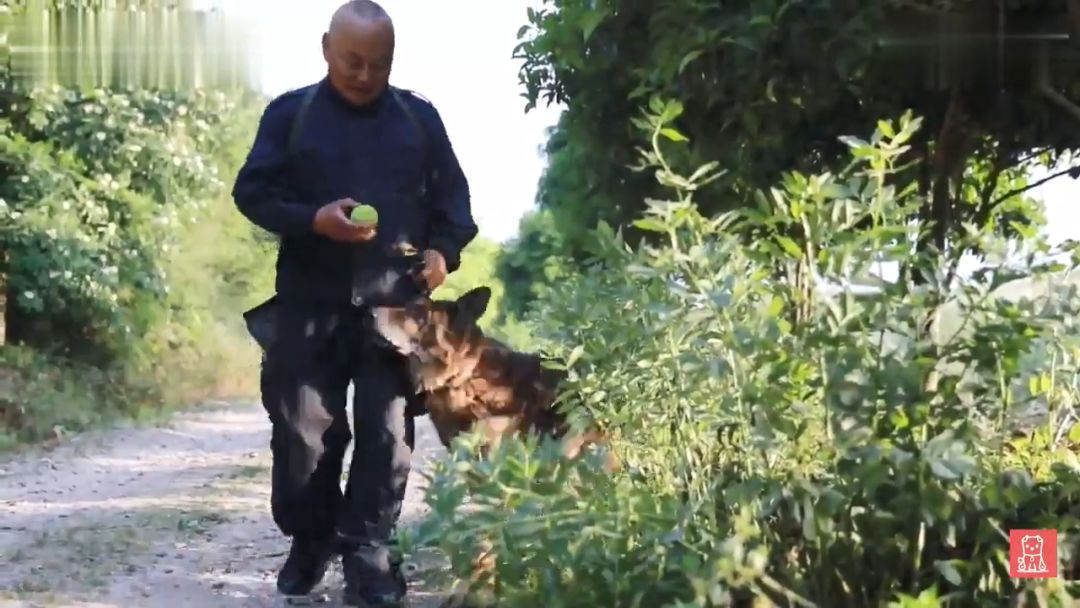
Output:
x=948 y=166
x=941 y=170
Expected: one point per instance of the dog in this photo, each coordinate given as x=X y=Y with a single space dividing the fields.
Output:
x=470 y=381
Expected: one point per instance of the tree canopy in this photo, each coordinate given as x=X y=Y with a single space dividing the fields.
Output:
x=766 y=85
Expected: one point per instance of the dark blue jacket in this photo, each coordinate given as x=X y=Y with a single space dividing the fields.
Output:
x=371 y=154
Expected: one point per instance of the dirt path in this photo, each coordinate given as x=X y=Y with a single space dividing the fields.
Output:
x=176 y=515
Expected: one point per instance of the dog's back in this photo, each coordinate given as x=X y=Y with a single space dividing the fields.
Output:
x=507 y=391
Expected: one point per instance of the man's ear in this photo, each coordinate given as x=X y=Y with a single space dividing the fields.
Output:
x=326 y=46
x=474 y=302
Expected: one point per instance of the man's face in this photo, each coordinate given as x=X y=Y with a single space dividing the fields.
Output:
x=359 y=53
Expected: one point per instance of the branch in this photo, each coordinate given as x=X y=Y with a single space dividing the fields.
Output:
x=985 y=206
x=1039 y=152
x=1019 y=191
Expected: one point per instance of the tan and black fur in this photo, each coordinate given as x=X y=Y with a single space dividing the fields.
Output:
x=471 y=381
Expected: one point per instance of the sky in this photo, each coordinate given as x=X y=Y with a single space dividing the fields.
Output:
x=472 y=80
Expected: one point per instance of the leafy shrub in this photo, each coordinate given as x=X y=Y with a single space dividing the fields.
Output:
x=121 y=250
x=779 y=441
x=46 y=398
x=98 y=185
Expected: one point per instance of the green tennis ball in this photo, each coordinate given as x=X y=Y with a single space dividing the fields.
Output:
x=364 y=214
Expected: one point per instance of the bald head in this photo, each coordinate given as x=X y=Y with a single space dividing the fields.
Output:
x=366 y=9
x=360 y=9
x=359 y=50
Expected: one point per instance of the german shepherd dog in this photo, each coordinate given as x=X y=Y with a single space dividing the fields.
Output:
x=469 y=381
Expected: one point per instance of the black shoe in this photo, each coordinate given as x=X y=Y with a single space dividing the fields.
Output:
x=373 y=577
x=305 y=566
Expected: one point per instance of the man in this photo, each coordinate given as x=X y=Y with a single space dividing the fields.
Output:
x=358 y=140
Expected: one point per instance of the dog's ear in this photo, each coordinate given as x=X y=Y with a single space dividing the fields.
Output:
x=473 y=303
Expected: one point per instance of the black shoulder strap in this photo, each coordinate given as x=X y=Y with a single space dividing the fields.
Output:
x=420 y=131
x=298 y=120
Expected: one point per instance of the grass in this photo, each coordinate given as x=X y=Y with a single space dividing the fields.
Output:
x=45 y=399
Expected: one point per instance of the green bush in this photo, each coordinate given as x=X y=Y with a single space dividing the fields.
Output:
x=46 y=398
x=121 y=250
x=779 y=442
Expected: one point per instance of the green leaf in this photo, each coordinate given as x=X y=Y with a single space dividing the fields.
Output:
x=789 y=246
x=854 y=142
x=948 y=570
x=590 y=22
x=649 y=224
x=703 y=170
x=638 y=91
x=575 y=355
x=673 y=135
x=942 y=471
x=1074 y=433
x=776 y=306
x=689 y=57
x=672 y=110
x=886 y=129
x=809 y=520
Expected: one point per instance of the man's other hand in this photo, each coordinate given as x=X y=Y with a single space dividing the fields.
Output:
x=332 y=221
x=434 y=272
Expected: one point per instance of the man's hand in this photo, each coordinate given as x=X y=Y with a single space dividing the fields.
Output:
x=434 y=272
x=332 y=221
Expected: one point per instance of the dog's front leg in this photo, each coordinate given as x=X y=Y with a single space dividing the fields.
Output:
x=494 y=428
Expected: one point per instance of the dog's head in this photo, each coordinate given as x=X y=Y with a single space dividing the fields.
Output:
x=439 y=336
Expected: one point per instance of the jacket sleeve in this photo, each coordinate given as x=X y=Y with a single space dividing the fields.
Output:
x=451 y=226
x=258 y=192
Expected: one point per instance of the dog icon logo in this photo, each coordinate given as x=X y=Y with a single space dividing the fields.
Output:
x=1033 y=553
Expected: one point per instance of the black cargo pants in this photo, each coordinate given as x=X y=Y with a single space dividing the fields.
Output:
x=319 y=349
